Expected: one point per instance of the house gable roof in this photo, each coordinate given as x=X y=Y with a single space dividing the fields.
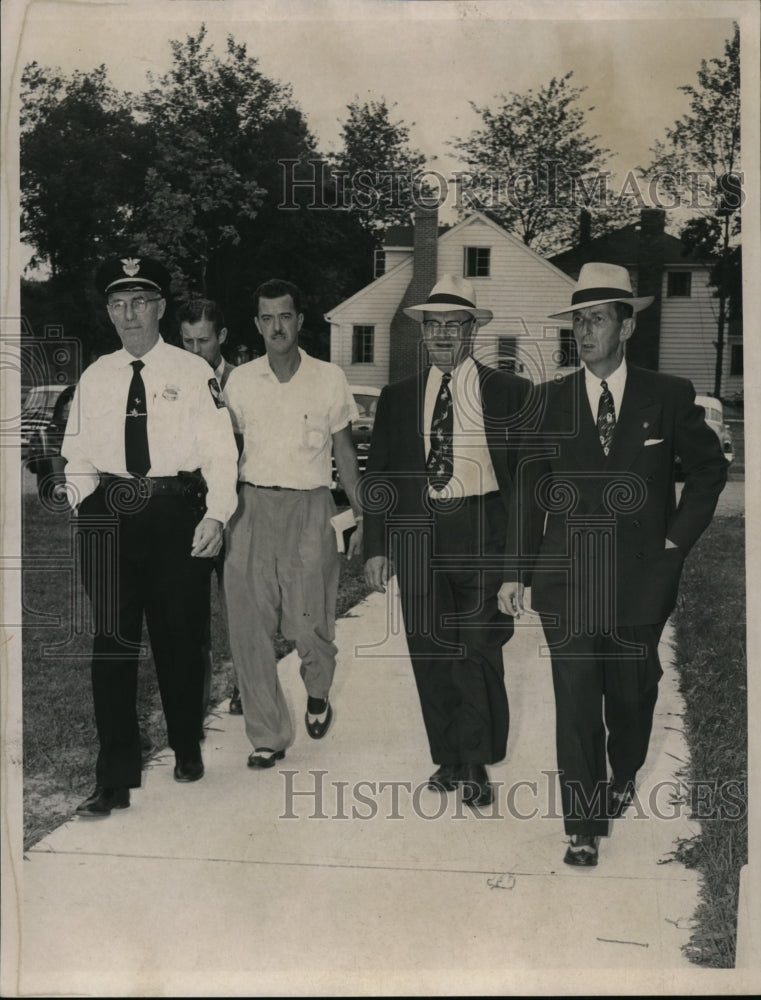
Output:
x=446 y=234
x=622 y=247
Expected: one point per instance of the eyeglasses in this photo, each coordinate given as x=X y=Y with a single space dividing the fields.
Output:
x=451 y=329
x=139 y=305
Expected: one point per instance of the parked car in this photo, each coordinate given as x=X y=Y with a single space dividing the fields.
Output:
x=366 y=398
x=37 y=405
x=44 y=447
x=714 y=411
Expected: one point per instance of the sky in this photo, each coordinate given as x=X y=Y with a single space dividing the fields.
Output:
x=429 y=58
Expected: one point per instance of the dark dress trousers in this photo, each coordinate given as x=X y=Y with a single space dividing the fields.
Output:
x=588 y=533
x=448 y=560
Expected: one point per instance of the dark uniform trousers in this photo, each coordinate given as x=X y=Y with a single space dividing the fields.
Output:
x=135 y=559
x=455 y=631
x=601 y=682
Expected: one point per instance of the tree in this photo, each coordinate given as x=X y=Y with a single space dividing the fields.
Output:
x=379 y=175
x=208 y=116
x=83 y=163
x=698 y=166
x=532 y=167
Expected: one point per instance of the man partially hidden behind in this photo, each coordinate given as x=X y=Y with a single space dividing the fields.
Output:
x=597 y=531
x=202 y=332
x=441 y=453
x=290 y=412
x=151 y=465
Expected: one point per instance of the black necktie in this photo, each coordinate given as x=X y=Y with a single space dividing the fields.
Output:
x=606 y=417
x=440 y=464
x=136 y=425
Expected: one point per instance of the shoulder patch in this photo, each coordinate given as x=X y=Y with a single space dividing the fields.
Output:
x=216 y=393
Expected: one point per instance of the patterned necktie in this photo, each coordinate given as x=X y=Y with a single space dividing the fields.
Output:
x=440 y=464
x=136 y=425
x=606 y=417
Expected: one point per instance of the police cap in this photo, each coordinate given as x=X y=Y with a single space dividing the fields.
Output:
x=122 y=274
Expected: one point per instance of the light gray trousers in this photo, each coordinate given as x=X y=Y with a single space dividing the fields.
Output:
x=281 y=569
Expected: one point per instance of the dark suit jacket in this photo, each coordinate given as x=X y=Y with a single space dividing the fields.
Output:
x=567 y=491
x=226 y=373
x=395 y=483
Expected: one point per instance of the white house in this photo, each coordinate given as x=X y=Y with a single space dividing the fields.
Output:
x=375 y=343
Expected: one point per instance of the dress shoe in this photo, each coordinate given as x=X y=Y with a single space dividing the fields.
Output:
x=265 y=757
x=444 y=778
x=188 y=770
x=317 y=727
x=619 y=798
x=103 y=800
x=476 y=788
x=236 y=707
x=582 y=851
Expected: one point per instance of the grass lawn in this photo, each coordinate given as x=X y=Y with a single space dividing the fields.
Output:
x=60 y=742
x=710 y=625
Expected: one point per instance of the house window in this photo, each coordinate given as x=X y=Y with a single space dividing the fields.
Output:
x=477 y=262
x=379 y=263
x=362 y=345
x=736 y=359
x=568 y=353
x=507 y=355
x=679 y=284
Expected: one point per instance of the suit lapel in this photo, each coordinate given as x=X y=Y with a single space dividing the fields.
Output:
x=575 y=412
x=640 y=413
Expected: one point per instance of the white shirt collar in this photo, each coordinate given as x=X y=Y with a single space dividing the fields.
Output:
x=124 y=358
x=264 y=367
x=615 y=380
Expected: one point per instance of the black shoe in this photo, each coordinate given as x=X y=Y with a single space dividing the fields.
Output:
x=582 y=851
x=188 y=770
x=444 y=778
x=236 y=706
x=265 y=757
x=103 y=800
x=619 y=798
x=476 y=788
x=318 y=728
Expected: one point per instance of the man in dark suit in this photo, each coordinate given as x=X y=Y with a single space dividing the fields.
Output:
x=202 y=332
x=438 y=477
x=596 y=530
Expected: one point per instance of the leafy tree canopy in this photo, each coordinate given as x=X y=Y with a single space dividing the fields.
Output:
x=532 y=167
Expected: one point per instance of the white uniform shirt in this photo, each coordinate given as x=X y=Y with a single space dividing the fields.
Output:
x=287 y=427
x=473 y=470
x=187 y=430
x=616 y=383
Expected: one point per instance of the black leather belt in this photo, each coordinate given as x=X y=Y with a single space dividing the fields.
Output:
x=291 y=489
x=189 y=485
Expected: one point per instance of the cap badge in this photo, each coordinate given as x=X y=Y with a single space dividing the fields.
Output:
x=131 y=266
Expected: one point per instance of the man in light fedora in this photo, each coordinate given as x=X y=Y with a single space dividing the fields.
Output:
x=438 y=478
x=596 y=531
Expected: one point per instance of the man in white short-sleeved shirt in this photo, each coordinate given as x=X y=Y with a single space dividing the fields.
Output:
x=291 y=413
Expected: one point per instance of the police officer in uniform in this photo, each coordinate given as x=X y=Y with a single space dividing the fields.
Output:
x=151 y=469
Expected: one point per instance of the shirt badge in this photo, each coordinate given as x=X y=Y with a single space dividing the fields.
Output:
x=216 y=394
x=171 y=392
x=130 y=266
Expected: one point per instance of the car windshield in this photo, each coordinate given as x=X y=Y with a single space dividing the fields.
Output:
x=366 y=405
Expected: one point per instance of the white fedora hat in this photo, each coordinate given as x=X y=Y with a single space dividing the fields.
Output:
x=601 y=283
x=449 y=295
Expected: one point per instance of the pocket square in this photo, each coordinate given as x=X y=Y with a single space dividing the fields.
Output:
x=653 y=441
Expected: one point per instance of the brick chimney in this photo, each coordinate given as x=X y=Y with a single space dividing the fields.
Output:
x=644 y=347
x=405 y=332
x=585 y=227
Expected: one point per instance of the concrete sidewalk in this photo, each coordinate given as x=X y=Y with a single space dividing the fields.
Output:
x=339 y=872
